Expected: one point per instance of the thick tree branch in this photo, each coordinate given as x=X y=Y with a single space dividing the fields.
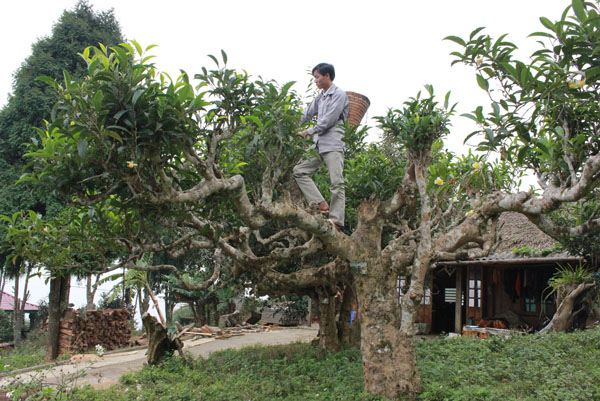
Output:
x=275 y=282
x=402 y=197
x=335 y=241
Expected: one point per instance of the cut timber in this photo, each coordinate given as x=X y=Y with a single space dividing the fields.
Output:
x=80 y=331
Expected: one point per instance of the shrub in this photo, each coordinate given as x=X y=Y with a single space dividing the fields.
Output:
x=6 y=331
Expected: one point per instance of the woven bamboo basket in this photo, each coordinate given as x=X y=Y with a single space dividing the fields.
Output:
x=358 y=107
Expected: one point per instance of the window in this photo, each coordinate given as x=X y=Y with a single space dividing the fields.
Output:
x=530 y=305
x=450 y=295
x=427 y=297
x=474 y=288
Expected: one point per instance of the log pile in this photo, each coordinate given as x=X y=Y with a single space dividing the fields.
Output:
x=81 y=331
x=193 y=333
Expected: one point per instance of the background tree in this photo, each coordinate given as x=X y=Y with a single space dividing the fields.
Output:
x=70 y=243
x=31 y=101
x=205 y=304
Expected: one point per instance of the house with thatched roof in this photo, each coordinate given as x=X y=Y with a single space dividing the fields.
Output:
x=510 y=286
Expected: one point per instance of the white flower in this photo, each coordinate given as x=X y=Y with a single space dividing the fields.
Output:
x=469 y=213
x=439 y=181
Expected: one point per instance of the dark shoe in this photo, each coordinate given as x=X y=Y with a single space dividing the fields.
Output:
x=337 y=228
x=324 y=208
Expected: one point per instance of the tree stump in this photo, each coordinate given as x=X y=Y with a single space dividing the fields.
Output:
x=160 y=343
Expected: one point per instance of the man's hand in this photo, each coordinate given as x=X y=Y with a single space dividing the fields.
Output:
x=303 y=133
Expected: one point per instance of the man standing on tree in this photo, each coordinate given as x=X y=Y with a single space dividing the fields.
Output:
x=331 y=109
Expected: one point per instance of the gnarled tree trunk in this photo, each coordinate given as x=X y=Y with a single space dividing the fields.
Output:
x=564 y=316
x=387 y=342
x=388 y=353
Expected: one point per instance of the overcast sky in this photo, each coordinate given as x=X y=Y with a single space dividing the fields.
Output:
x=386 y=50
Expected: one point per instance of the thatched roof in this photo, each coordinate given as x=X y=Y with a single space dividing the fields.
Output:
x=517 y=231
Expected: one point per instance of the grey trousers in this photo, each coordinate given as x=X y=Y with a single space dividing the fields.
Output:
x=335 y=165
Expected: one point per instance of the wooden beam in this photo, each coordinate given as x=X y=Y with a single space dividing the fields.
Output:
x=458 y=306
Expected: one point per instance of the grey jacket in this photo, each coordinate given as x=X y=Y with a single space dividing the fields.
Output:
x=331 y=109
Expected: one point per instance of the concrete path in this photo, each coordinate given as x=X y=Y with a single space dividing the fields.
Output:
x=106 y=371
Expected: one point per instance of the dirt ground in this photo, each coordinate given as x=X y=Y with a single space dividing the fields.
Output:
x=106 y=371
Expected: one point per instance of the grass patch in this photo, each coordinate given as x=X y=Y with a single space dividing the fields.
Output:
x=32 y=352
x=534 y=367
x=287 y=372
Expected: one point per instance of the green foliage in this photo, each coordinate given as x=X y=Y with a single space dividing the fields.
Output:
x=183 y=313
x=528 y=251
x=371 y=174
x=418 y=125
x=32 y=101
x=32 y=352
x=568 y=276
x=544 y=111
x=534 y=367
x=587 y=243
x=6 y=332
x=292 y=372
x=72 y=241
x=151 y=121
x=268 y=144
x=110 y=301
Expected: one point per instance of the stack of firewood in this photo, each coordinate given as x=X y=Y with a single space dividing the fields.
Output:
x=81 y=331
